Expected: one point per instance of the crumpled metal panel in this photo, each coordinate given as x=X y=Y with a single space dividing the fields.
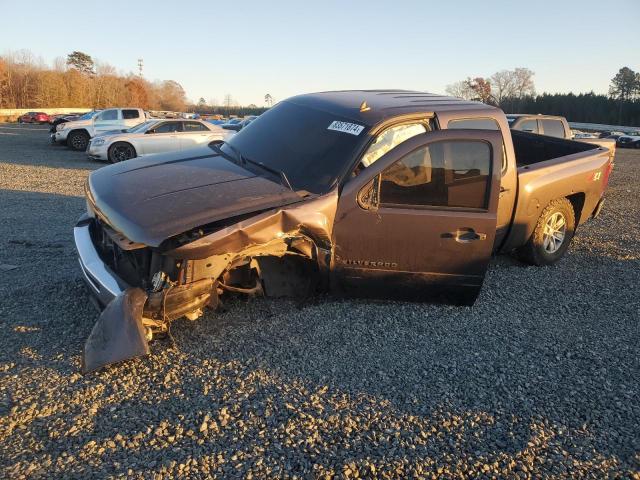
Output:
x=314 y=218
x=118 y=334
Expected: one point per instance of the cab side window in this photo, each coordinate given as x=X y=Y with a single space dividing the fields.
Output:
x=528 y=126
x=442 y=174
x=553 y=128
x=108 y=115
x=479 y=124
x=389 y=139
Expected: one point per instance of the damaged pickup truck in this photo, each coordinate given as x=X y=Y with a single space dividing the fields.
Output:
x=383 y=194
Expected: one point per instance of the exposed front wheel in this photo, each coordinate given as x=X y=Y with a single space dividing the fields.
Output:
x=552 y=235
x=78 y=140
x=121 y=151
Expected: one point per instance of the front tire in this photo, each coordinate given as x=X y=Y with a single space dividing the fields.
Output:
x=78 y=140
x=121 y=151
x=553 y=233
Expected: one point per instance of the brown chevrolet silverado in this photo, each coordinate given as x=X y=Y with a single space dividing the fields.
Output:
x=387 y=194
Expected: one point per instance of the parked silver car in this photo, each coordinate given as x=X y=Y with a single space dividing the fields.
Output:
x=153 y=136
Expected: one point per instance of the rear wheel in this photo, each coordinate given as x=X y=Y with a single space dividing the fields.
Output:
x=121 y=151
x=552 y=235
x=78 y=140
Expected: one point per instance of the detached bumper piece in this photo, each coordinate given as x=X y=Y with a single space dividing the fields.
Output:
x=119 y=333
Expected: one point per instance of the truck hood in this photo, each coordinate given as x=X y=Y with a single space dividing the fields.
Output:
x=77 y=124
x=153 y=198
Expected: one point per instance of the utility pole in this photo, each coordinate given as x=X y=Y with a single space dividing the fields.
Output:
x=140 y=64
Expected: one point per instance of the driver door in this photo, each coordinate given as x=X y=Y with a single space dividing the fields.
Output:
x=107 y=120
x=419 y=223
x=164 y=137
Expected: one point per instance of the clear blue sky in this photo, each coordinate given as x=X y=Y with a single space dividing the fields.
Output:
x=248 y=48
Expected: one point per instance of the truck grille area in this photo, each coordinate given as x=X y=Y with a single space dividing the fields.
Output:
x=132 y=266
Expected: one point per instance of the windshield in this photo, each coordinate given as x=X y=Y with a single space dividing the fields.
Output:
x=89 y=115
x=297 y=140
x=141 y=126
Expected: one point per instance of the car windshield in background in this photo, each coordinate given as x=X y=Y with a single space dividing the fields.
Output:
x=89 y=115
x=298 y=141
x=141 y=126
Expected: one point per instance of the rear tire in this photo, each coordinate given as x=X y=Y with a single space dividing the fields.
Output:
x=78 y=140
x=121 y=151
x=553 y=233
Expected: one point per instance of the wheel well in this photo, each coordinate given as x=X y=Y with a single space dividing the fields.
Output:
x=78 y=130
x=577 y=201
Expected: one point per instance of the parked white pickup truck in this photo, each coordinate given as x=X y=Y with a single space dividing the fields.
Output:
x=78 y=133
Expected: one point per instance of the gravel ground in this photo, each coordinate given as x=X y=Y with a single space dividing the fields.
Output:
x=539 y=378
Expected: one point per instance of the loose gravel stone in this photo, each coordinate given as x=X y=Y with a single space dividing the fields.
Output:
x=539 y=378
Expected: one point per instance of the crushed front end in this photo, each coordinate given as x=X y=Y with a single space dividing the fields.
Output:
x=280 y=252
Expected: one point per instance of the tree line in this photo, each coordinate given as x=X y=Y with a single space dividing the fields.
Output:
x=79 y=81
x=514 y=92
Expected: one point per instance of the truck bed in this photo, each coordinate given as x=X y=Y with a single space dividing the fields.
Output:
x=551 y=168
x=531 y=148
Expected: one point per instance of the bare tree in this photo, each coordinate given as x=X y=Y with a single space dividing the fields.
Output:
x=460 y=89
x=523 y=80
x=517 y=83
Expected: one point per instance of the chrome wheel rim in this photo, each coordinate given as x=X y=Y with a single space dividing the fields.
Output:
x=555 y=230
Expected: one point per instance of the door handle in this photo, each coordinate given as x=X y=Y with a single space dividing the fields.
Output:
x=465 y=235
x=503 y=190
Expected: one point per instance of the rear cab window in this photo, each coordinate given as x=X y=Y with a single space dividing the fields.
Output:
x=553 y=128
x=129 y=114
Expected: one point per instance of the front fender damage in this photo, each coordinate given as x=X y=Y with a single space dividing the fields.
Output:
x=270 y=247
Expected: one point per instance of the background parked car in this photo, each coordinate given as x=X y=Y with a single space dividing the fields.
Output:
x=237 y=126
x=154 y=136
x=56 y=120
x=34 y=117
x=78 y=133
x=629 y=141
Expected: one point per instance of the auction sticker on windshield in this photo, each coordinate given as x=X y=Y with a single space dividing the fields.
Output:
x=345 y=127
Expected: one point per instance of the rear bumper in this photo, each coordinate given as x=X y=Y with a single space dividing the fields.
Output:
x=103 y=284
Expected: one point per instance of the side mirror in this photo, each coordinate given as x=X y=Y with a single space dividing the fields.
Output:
x=368 y=196
x=149 y=131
